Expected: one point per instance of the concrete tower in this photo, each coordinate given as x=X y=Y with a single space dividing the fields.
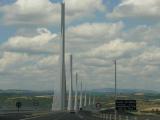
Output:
x=93 y=100
x=70 y=101
x=59 y=99
x=62 y=60
x=85 y=99
x=81 y=97
x=76 y=95
x=89 y=102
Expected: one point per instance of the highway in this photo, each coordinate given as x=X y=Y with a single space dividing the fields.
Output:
x=14 y=116
x=49 y=116
x=85 y=115
x=63 y=116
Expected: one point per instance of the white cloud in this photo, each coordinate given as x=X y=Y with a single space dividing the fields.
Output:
x=115 y=49
x=31 y=12
x=23 y=71
x=150 y=56
x=44 y=41
x=86 y=36
x=47 y=62
x=93 y=45
x=95 y=31
x=44 y=12
x=12 y=61
x=136 y=8
x=8 y=59
x=76 y=8
x=149 y=34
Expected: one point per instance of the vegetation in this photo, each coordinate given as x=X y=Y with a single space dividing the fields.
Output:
x=146 y=103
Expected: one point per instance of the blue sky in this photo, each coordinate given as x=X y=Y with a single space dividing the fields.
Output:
x=97 y=32
x=7 y=31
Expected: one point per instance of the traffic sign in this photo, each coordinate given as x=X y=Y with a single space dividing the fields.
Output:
x=18 y=105
x=35 y=103
x=122 y=105
x=98 y=105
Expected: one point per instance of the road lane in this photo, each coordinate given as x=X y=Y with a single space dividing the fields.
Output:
x=62 y=116
x=49 y=116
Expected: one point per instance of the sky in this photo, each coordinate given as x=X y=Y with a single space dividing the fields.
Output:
x=97 y=33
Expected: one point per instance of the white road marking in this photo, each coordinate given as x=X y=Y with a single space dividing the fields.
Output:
x=30 y=118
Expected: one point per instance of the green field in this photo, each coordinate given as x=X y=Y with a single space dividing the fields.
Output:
x=146 y=103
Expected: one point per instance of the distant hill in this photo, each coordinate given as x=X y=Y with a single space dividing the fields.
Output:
x=12 y=92
x=127 y=91
x=15 y=92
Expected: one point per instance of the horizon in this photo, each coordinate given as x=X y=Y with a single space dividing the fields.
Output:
x=93 y=90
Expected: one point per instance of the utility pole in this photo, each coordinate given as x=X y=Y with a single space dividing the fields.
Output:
x=115 y=62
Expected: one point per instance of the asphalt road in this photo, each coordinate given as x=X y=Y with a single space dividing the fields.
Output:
x=49 y=116
x=13 y=116
x=130 y=117
x=71 y=116
x=63 y=116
